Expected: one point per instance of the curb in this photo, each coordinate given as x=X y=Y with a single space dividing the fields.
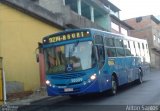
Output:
x=45 y=99
x=30 y=101
x=26 y=101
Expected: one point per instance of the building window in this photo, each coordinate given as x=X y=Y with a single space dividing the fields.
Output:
x=154 y=37
x=115 y=26
x=159 y=40
x=35 y=1
x=139 y=19
x=114 y=13
x=124 y=31
x=85 y=10
x=72 y=4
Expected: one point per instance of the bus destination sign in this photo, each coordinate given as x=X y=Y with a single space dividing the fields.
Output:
x=66 y=36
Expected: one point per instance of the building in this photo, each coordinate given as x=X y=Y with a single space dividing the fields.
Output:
x=148 y=27
x=23 y=23
x=100 y=14
x=22 y=26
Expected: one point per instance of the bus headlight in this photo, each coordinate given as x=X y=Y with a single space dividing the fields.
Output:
x=48 y=82
x=93 y=77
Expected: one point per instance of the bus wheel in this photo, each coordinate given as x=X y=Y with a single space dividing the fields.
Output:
x=140 y=79
x=114 y=86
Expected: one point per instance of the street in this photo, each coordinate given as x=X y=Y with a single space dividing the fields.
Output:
x=129 y=97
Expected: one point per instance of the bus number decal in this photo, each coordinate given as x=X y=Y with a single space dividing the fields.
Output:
x=76 y=80
x=69 y=36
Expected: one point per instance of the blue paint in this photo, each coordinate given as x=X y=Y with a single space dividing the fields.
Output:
x=79 y=82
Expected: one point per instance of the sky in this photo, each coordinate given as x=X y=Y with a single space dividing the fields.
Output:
x=136 y=8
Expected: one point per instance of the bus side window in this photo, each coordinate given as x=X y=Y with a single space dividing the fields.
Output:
x=137 y=46
x=109 y=42
x=98 y=40
x=127 y=52
x=142 y=50
x=132 y=47
x=101 y=55
x=118 y=43
x=120 y=52
x=127 y=49
x=126 y=44
x=111 y=52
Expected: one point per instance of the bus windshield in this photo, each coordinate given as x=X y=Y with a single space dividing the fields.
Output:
x=69 y=57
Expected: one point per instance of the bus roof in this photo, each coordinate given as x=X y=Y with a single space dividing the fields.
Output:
x=118 y=35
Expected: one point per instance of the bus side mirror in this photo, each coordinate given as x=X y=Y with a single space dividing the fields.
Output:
x=38 y=51
x=37 y=58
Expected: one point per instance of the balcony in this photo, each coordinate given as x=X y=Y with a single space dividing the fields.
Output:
x=74 y=20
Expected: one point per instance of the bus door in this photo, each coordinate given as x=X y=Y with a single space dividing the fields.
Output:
x=101 y=60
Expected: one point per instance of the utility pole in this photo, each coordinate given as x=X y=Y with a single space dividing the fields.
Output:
x=2 y=82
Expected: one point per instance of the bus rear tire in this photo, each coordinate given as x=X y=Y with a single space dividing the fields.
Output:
x=114 y=87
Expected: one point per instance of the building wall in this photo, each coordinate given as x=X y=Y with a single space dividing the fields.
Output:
x=144 y=23
x=19 y=35
x=75 y=18
x=146 y=28
x=103 y=21
x=143 y=34
x=52 y=5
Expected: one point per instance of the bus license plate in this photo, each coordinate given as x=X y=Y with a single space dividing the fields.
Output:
x=68 y=89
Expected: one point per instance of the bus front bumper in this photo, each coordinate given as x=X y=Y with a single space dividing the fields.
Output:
x=79 y=89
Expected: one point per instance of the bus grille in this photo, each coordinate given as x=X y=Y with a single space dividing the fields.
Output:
x=67 y=76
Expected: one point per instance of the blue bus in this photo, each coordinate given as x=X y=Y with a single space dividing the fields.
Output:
x=83 y=61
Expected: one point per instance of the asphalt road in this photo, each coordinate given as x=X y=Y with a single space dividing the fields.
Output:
x=143 y=97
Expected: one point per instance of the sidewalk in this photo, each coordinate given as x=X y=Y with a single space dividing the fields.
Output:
x=36 y=96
